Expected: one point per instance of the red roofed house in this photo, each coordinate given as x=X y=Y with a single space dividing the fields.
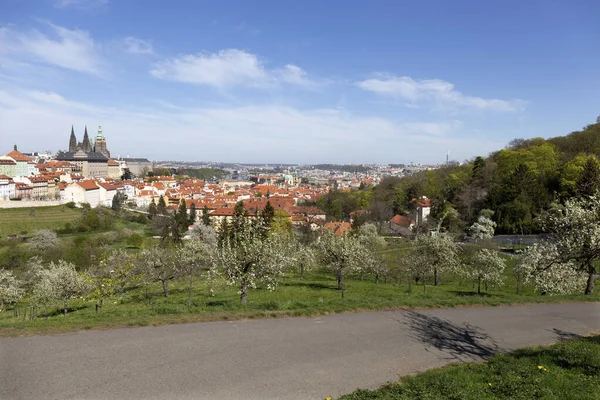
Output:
x=422 y=210
x=338 y=228
x=402 y=225
x=83 y=192
x=22 y=168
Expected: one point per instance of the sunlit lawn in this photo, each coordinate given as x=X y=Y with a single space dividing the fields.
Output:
x=315 y=295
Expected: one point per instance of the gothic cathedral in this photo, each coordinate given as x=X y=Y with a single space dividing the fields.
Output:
x=86 y=146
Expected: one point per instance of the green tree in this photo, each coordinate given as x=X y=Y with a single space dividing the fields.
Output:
x=205 y=216
x=268 y=214
x=193 y=216
x=588 y=182
x=162 y=206
x=152 y=209
x=182 y=217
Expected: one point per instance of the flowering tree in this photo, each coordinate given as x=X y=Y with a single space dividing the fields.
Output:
x=196 y=257
x=306 y=258
x=60 y=281
x=572 y=250
x=343 y=255
x=248 y=257
x=485 y=266
x=374 y=244
x=43 y=240
x=159 y=264
x=429 y=255
x=484 y=227
x=110 y=276
x=11 y=290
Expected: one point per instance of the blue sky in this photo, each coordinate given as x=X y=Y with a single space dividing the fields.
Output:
x=297 y=81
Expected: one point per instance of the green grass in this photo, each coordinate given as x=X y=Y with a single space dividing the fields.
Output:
x=569 y=370
x=316 y=295
x=13 y=221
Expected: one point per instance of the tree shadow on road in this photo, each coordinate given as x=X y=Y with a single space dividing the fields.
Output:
x=564 y=335
x=461 y=342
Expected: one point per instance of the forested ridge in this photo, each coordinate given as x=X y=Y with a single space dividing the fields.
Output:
x=516 y=183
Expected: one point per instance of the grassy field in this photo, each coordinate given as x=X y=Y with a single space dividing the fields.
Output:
x=315 y=295
x=564 y=371
x=25 y=221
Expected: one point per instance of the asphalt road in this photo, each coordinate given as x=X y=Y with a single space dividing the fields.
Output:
x=294 y=358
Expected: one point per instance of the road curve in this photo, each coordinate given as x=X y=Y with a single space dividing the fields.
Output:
x=292 y=358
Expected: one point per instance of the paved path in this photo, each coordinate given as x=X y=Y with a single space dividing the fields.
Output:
x=295 y=358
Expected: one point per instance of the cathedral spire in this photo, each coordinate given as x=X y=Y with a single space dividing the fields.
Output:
x=72 y=140
x=87 y=146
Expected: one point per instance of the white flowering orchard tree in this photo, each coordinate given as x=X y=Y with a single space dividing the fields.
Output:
x=431 y=255
x=306 y=258
x=110 y=276
x=11 y=289
x=572 y=248
x=485 y=266
x=483 y=228
x=195 y=259
x=59 y=282
x=374 y=244
x=250 y=257
x=43 y=240
x=343 y=255
x=159 y=264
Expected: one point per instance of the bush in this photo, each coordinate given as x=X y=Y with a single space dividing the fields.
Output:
x=71 y=205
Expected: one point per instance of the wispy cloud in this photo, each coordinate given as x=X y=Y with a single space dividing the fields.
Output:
x=79 y=3
x=434 y=91
x=228 y=68
x=62 y=47
x=135 y=45
x=327 y=135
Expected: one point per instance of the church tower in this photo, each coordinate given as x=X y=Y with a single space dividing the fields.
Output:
x=72 y=141
x=100 y=143
x=87 y=146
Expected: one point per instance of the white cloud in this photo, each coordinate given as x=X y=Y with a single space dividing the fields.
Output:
x=135 y=45
x=79 y=3
x=434 y=91
x=65 y=48
x=258 y=133
x=228 y=68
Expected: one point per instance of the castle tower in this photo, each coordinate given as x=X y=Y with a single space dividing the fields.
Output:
x=87 y=145
x=72 y=140
x=100 y=143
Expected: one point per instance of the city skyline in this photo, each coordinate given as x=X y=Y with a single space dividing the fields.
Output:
x=299 y=83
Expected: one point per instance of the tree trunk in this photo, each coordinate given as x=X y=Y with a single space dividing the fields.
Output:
x=190 y=293
x=435 y=277
x=340 y=280
x=65 y=310
x=244 y=292
x=479 y=286
x=589 y=288
x=165 y=288
x=301 y=271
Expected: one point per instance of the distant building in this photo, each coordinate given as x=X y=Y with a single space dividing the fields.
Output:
x=137 y=166
x=92 y=160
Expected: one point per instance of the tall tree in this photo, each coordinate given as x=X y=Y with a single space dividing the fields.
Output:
x=205 y=216
x=152 y=209
x=159 y=264
x=193 y=216
x=588 y=182
x=162 y=206
x=182 y=217
x=268 y=214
